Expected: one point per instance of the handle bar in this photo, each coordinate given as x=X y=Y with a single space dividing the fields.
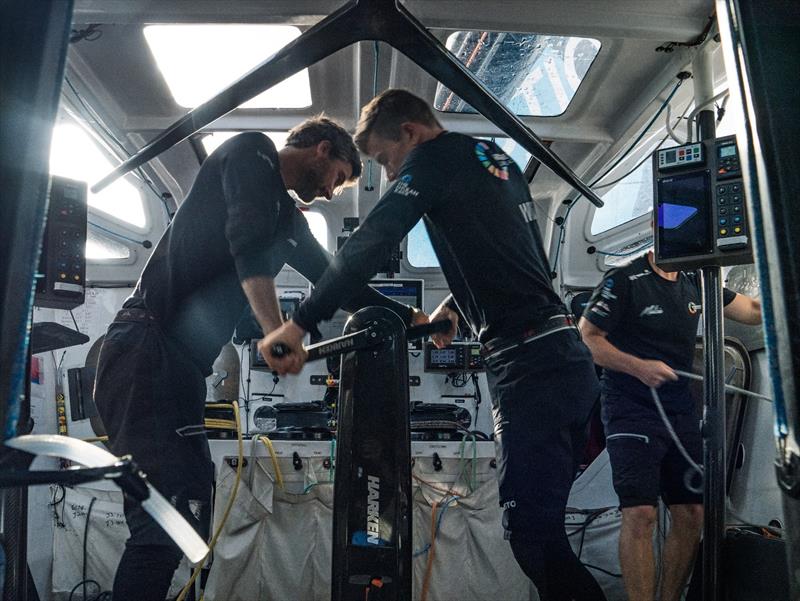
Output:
x=358 y=340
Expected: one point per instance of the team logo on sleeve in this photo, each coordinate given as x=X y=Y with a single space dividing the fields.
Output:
x=495 y=163
x=403 y=186
x=605 y=291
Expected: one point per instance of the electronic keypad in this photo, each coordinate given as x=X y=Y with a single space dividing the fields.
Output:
x=699 y=208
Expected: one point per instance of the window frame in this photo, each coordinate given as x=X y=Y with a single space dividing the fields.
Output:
x=131 y=259
x=450 y=34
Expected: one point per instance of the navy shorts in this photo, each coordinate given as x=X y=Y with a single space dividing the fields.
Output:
x=646 y=464
x=542 y=393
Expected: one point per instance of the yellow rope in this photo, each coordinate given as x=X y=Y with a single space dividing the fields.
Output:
x=219 y=424
x=278 y=474
x=218 y=405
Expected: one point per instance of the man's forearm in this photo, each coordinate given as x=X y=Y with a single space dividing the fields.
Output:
x=260 y=292
x=607 y=355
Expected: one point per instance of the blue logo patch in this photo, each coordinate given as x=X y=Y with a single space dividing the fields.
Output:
x=406 y=178
x=360 y=539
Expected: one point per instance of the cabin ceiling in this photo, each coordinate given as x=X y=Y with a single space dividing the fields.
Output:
x=117 y=74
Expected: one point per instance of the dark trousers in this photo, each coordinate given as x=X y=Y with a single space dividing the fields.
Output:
x=543 y=393
x=150 y=396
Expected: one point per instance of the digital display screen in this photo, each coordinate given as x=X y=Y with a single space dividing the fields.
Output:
x=727 y=151
x=407 y=292
x=669 y=155
x=684 y=216
x=256 y=360
x=446 y=356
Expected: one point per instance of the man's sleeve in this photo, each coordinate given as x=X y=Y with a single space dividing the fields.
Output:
x=727 y=296
x=253 y=190
x=409 y=198
x=609 y=302
x=311 y=260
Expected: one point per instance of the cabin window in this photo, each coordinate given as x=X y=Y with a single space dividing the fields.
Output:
x=419 y=250
x=199 y=61
x=74 y=154
x=532 y=74
x=103 y=248
x=319 y=226
x=213 y=140
x=628 y=199
x=632 y=196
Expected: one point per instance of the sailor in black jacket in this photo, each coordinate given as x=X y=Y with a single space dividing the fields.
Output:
x=481 y=221
x=233 y=233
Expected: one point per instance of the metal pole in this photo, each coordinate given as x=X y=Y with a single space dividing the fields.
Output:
x=761 y=45
x=713 y=359
x=713 y=432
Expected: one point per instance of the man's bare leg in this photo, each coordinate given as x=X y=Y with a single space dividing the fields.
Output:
x=680 y=549
x=636 y=552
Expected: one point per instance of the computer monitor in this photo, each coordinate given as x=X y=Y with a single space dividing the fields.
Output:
x=408 y=292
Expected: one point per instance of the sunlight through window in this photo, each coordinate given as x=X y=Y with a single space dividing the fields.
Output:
x=215 y=139
x=199 y=61
x=75 y=155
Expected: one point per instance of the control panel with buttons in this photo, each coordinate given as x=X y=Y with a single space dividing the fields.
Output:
x=699 y=205
x=732 y=231
x=690 y=154
x=61 y=278
x=456 y=357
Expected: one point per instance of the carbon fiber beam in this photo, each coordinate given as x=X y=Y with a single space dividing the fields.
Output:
x=383 y=20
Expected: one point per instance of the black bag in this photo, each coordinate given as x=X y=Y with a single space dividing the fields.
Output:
x=312 y=416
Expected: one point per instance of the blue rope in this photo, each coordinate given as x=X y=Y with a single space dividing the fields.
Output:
x=438 y=525
x=768 y=317
x=113 y=233
x=18 y=367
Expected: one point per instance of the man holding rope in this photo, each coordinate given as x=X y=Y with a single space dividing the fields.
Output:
x=641 y=326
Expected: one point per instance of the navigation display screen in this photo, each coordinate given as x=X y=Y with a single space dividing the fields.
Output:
x=684 y=216
x=407 y=292
x=446 y=356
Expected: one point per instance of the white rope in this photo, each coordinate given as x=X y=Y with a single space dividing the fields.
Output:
x=687 y=374
x=697 y=468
